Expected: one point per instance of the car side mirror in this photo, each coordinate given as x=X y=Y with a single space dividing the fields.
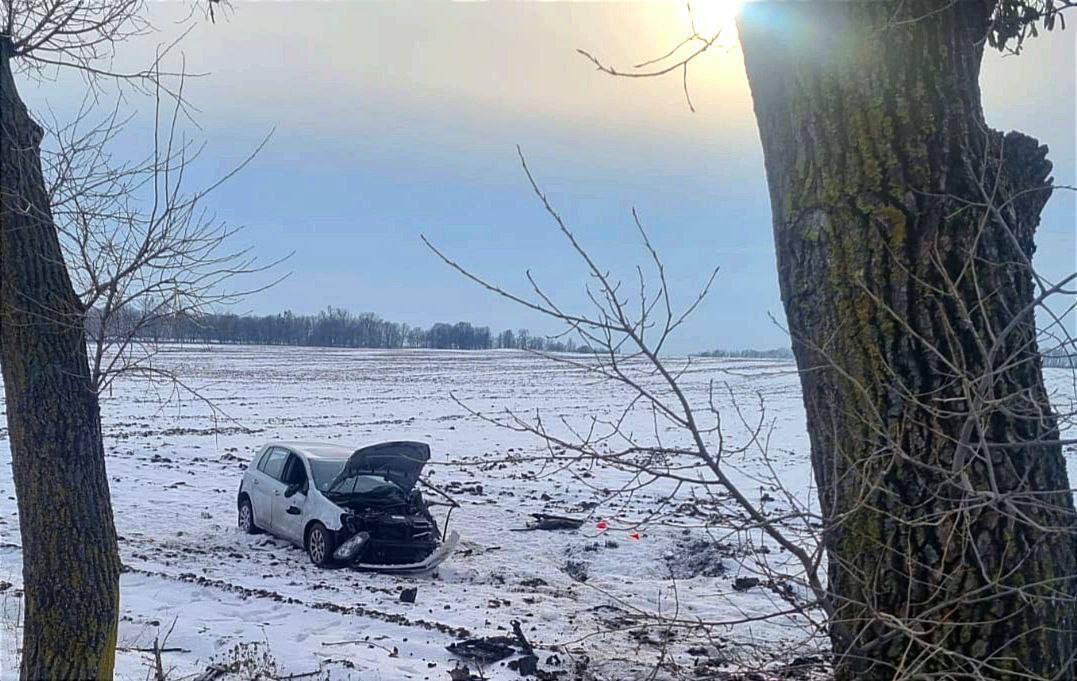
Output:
x=291 y=489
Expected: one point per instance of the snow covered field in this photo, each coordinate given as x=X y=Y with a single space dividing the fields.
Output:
x=174 y=470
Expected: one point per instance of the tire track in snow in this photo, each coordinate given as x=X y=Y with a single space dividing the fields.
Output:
x=361 y=611
x=459 y=633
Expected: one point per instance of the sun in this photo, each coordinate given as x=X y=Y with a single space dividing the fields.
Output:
x=716 y=16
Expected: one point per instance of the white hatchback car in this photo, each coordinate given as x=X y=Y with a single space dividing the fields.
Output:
x=356 y=507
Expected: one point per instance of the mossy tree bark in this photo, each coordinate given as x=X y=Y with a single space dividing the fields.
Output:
x=70 y=561
x=904 y=235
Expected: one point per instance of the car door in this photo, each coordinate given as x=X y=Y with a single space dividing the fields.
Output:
x=254 y=486
x=266 y=487
x=288 y=513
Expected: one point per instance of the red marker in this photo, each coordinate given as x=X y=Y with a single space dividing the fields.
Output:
x=634 y=535
x=602 y=525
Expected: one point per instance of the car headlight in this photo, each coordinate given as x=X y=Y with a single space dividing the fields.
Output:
x=351 y=547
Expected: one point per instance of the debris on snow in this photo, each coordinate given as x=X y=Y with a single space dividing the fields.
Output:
x=577 y=570
x=496 y=648
x=545 y=521
x=745 y=583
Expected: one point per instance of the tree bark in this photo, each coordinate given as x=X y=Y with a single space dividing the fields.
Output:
x=71 y=564
x=904 y=235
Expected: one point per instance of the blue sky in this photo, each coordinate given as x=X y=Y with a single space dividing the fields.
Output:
x=395 y=119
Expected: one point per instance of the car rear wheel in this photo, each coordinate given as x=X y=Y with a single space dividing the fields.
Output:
x=246 y=517
x=320 y=545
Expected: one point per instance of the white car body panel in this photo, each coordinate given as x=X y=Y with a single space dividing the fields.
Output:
x=270 y=506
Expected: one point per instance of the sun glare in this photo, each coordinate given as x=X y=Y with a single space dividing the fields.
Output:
x=712 y=16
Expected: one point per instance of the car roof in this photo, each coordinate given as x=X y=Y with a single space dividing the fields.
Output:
x=316 y=450
x=327 y=450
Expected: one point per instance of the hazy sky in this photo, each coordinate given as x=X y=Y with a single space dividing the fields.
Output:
x=398 y=118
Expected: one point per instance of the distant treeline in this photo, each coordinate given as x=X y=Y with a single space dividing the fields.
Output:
x=339 y=328
x=335 y=328
x=1060 y=359
x=776 y=353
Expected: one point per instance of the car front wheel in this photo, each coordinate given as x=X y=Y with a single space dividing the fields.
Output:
x=246 y=517
x=320 y=545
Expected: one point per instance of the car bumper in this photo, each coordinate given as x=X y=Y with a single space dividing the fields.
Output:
x=436 y=558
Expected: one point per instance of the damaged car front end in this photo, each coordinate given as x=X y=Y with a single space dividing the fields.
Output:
x=386 y=523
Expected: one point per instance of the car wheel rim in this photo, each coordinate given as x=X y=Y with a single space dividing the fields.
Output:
x=317 y=546
x=245 y=517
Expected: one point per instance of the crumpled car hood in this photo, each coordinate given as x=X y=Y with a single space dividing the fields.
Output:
x=398 y=462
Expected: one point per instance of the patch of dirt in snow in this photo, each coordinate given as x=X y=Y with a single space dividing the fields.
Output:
x=700 y=557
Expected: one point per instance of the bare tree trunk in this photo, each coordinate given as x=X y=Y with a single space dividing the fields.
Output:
x=904 y=234
x=70 y=560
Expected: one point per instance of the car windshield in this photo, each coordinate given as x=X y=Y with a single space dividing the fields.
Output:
x=325 y=471
x=370 y=486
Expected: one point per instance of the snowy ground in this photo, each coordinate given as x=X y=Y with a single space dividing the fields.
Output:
x=175 y=470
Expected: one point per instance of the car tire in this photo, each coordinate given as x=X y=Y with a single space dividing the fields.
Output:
x=245 y=518
x=320 y=545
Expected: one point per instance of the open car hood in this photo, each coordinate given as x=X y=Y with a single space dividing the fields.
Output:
x=398 y=462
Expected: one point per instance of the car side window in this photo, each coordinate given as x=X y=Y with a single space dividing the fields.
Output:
x=294 y=474
x=274 y=463
x=262 y=459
